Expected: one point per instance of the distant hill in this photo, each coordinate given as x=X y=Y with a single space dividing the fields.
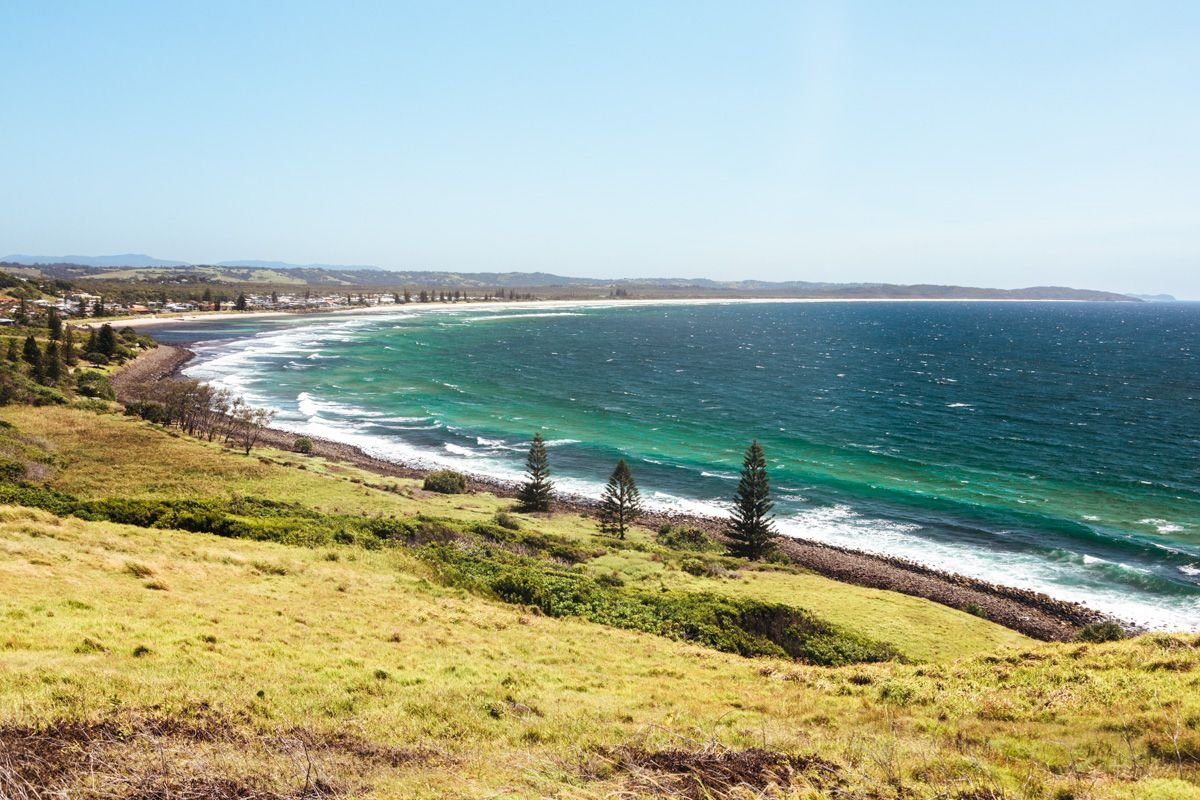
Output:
x=255 y=264
x=145 y=269
x=123 y=260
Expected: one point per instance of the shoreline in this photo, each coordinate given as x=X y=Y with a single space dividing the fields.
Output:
x=156 y=320
x=1034 y=614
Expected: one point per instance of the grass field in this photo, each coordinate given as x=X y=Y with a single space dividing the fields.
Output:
x=142 y=662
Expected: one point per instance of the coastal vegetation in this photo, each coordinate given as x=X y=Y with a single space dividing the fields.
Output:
x=179 y=610
x=452 y=656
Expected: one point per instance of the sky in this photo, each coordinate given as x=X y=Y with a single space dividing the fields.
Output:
x=984 y=143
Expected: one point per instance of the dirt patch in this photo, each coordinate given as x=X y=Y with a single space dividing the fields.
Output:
x=191 y=753
x=716 y=772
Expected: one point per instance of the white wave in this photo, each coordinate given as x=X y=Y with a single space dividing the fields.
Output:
x=307 y=404
x=560 y=442
x=841 y=526
x=722 y=475
x=1161 y=525
x=459 y=450
x=1191 y=570
x=959 y=405
x=490 y=317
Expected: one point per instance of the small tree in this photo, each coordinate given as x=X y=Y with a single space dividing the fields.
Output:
x=622 y=503
x=14 y=352
x=106 y=340
x=752 y=533
x=537 y=493
x=240 y=303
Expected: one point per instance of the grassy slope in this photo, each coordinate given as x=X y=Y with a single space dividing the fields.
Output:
x=516 y=705
x=104 y=456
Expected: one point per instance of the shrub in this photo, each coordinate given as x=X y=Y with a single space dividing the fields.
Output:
x=508 y=521
x=1100 y=632
x=445 y=481
x=11 y=471
x=685 y=538
x=96 y=358
x=975 y=610
x=702 y=567
x=95 y=384
x=303 y=445
x=151 y=412
x=610 y=579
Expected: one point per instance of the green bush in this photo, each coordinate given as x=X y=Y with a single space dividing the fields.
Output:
x=507 y=521
x=94 y=384
x=303 y=445
x=736 y=625
x=1100 y=632
x=96 y=358
x=11 y=471
x=445 y=481
x=151 y=412
x=703 y=567
x=685 y=539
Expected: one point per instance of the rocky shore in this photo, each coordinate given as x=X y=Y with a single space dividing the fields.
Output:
x=1032 y=613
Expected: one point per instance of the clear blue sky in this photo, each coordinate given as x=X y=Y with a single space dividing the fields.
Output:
x=988 y=143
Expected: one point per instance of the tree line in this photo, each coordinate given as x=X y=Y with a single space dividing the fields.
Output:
x=751 y=530
x=200 y=410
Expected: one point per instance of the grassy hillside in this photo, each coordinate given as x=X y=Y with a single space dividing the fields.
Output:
x=100 y=456
x=140 y=662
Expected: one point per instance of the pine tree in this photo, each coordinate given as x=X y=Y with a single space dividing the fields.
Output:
x=14 y=352
x=240 y=303
x=52 y=363
x=622 y=503
x=54 y=324
x=752 y=534
x=537 y=493
x=32 y=356
x=21 y=315
x=106 y=340
x=69 y=356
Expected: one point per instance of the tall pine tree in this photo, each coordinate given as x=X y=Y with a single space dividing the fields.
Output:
x=752 y=534
x=69 y=356
x=52 y=366
x=622 y=503
x=32 y=354
x=54 y=324
x=537 y=493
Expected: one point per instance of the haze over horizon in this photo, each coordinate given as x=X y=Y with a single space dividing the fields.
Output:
x=1016 y=145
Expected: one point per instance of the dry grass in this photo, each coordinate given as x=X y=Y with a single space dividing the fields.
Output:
x=505 y=703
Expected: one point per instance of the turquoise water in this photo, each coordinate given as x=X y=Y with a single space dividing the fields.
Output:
x=1043 y=445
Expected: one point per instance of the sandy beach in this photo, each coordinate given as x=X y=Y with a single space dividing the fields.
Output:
x=153 y=320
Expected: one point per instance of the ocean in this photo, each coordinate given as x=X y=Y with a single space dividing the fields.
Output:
x=1049 y=446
